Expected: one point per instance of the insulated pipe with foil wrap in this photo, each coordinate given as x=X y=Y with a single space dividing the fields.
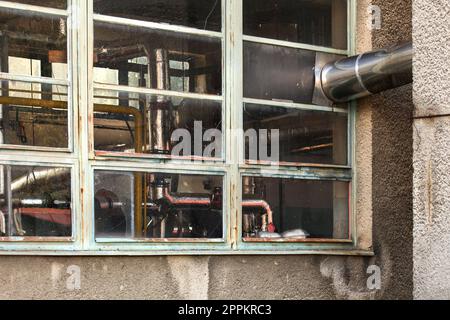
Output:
x=366 y=74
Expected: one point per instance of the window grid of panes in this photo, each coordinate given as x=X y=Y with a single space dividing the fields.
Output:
x=307 y=196
x=155 y=83
x=37 y=127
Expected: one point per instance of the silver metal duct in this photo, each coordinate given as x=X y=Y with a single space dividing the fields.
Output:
x=366 y=74
x=160 y=111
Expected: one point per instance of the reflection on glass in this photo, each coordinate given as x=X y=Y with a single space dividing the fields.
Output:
x=303 y=136
x=281 y=73
x=157 y=59
x=142 y=123
x=158 y=206
x=40 y=201
x=290 y=209
x=200 y=14
x=58 y=4
x=35 y=44
x=33 y=114
x=316 y=22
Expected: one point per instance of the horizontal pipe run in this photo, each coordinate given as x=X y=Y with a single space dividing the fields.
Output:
x=366 y=74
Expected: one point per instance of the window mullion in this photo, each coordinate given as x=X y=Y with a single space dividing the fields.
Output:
x=234 y=98
x=84 y=80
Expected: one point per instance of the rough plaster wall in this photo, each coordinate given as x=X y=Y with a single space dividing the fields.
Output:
x=392 y=159
x=364 y=128
x=381 y=120
x=431 y=144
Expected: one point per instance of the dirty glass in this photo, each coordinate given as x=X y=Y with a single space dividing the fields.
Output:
x=35 y=201
x=315 y=22
x=33 y=114
x=282 y=74
x=137 y=205
x=200 y=14
x=58 y=4
x=156 y=59
x=33 y=44
x=295 y=136
x=292 y=209
x=130 y=122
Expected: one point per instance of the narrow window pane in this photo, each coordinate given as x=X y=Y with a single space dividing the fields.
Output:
x=290 y=209
x=281 y=73
x=33 y=44
x=158 y=206
x=156 y=59
x=200 y=14
x=33 y=114
x=58 y=4
x=35 y=201
x=147 y=124
x=315 y=22
x=295 y=136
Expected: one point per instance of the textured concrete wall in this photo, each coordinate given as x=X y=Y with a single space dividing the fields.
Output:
x=384 y=140
x=431 y=149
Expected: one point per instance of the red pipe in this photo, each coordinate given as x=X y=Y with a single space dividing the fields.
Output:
x=262 y=205
x=58 y=216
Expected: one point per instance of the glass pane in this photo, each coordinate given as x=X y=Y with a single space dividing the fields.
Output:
x=33 y=44
x=316 y=22
x=158 y=205
x=293 y=135
x=292 y=209
x=157 y=59
x=33 y=114
x=200 y=14
x=140 y=123
x=282 y=74
x=40 y=202
x=58 y=4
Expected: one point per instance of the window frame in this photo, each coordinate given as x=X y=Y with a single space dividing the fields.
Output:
x=83 y=159
x=69 y=82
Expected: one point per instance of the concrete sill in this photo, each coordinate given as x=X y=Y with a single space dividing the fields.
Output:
x=141 y=253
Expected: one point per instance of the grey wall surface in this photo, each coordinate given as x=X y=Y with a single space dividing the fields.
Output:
x=431 y=150
x=385 y=123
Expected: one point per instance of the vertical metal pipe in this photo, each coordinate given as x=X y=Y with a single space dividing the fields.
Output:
x=248 y=185
x=4 y=67
x=160 y=111
x=8 y=192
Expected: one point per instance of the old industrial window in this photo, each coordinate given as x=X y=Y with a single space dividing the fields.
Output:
x=36 y=122
x=184 y=125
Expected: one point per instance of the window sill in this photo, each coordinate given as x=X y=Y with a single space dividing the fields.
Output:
x=129 y=253
x=36 y=240
x=307 y=240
